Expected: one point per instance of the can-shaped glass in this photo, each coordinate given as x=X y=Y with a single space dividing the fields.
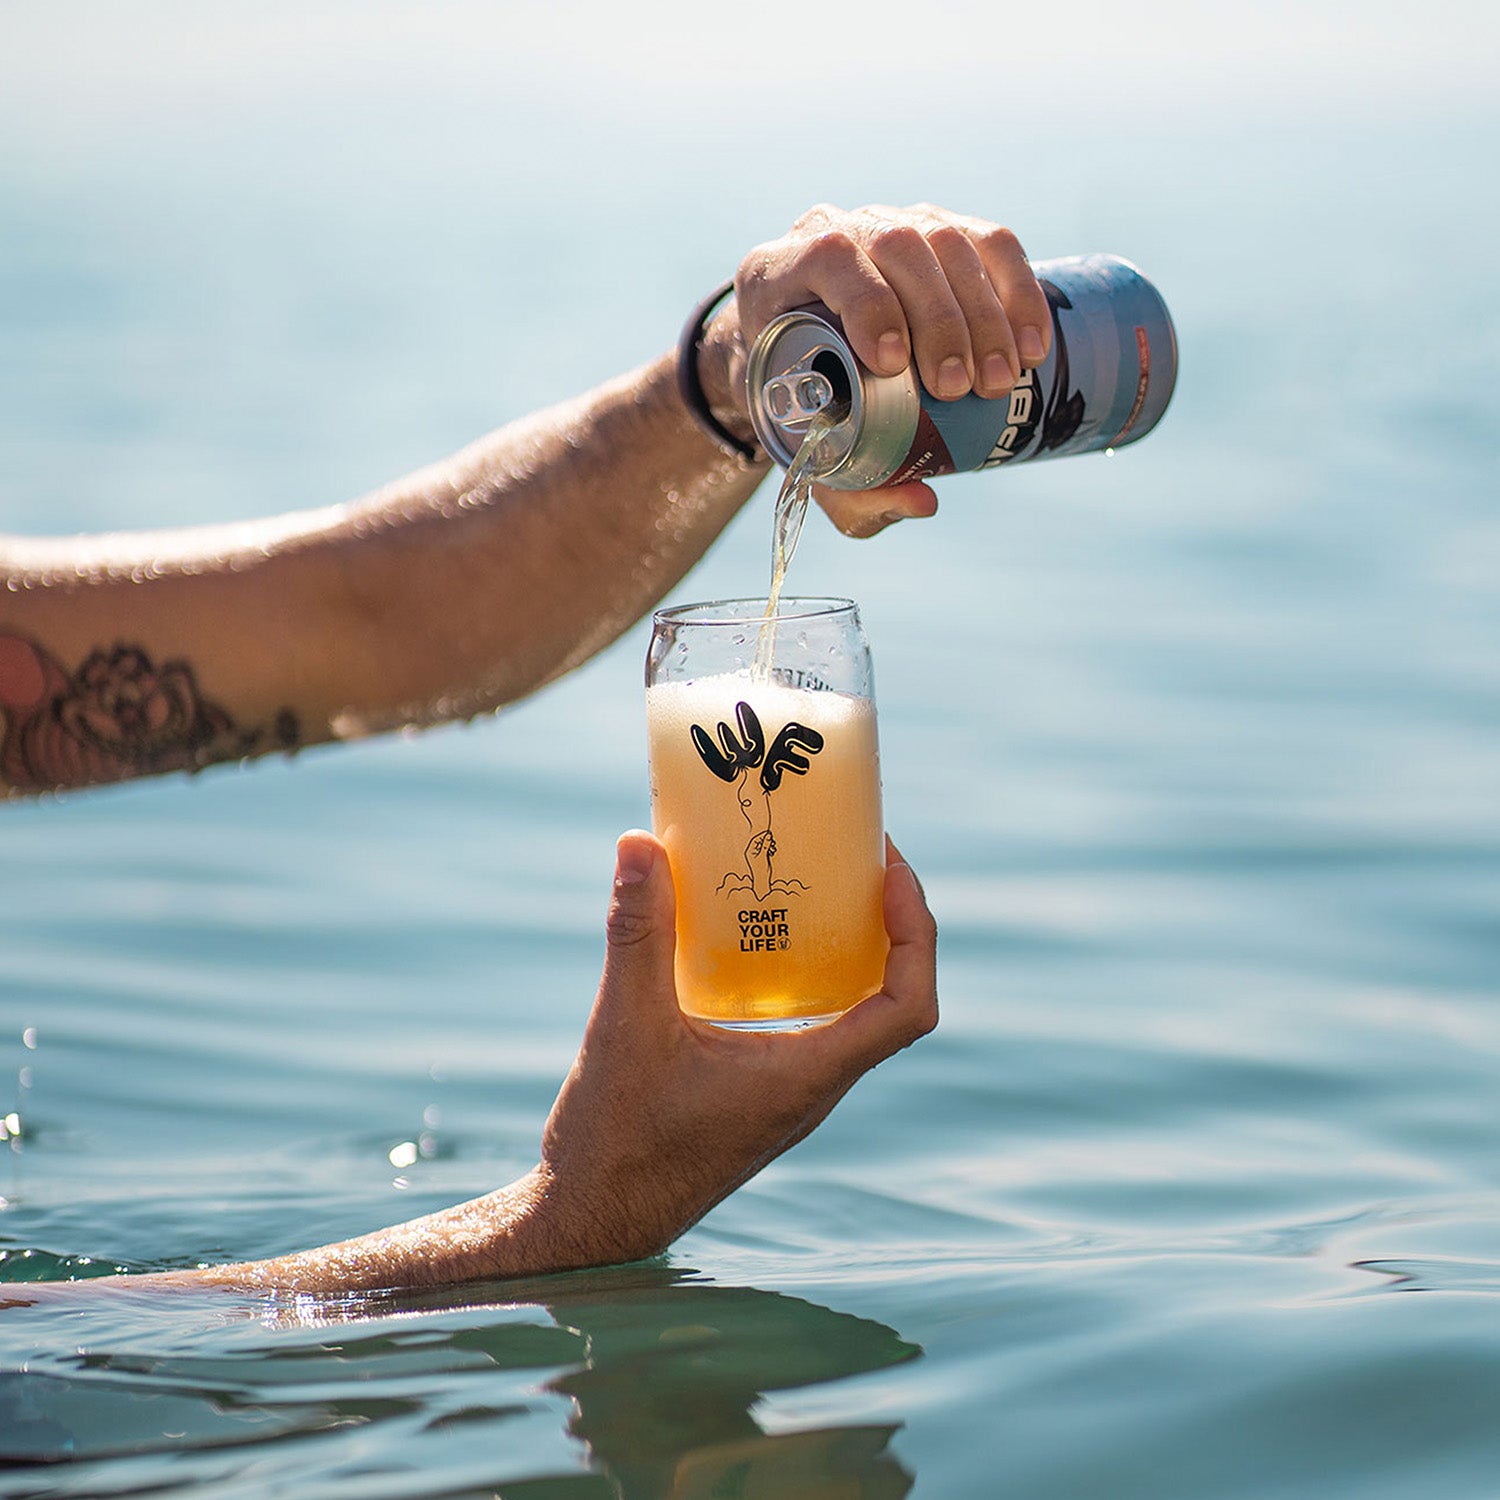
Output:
x=765 y=790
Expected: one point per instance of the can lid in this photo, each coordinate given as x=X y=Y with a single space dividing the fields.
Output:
x=799 y=367
x=802 y=364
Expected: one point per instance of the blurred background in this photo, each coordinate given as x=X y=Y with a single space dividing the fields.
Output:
x=1194 y=746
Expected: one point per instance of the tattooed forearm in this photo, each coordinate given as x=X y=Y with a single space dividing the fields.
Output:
x=118 y=716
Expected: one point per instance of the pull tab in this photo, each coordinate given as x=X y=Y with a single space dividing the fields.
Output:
x=796 y=398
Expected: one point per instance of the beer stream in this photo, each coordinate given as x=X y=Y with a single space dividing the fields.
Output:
x=791 y=511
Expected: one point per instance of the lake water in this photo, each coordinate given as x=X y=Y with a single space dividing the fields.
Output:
x=1196 y=1190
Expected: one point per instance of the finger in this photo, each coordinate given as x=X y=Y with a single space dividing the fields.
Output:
x=833 y=269
x=1019 y=291
x=865 y=513
x=640 y=933
x=911 y=967
x=996 y=361
x=939 y=330
x=906 y=1007
x=908 y=921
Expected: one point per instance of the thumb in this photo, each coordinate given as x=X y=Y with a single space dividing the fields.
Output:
x=641 y=932
x=863 y=513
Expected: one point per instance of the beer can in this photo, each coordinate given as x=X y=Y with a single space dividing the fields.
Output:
x=1105 y=382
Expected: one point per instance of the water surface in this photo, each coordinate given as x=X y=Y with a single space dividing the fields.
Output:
x=1195 y=1190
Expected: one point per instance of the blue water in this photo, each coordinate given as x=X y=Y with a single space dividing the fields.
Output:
x=1196 y=1190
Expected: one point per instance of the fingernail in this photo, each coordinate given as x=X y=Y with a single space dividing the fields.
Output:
x=953 y=378
x=911 y=875
x=998 y=374
x=892 y=349
x=1029 y=342
x=634 y=861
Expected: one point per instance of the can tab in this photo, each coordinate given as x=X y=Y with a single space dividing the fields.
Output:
x=795 y=398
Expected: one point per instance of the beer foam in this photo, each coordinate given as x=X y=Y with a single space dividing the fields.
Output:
x=673 y=704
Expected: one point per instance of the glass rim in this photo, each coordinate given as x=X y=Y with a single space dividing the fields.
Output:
x=753 y=610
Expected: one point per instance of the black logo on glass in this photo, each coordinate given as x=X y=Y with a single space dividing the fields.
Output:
x=732 y=759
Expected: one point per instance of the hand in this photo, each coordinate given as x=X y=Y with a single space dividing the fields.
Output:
x=662 y=1115
x=953 y=292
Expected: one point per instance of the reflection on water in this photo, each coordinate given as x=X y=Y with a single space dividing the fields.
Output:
x=1434 y=1275
x=661 y=1375
x=666 y=1398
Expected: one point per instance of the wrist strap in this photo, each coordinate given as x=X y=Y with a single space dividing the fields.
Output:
x=690 y=383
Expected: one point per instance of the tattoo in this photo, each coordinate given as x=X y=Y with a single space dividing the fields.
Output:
x=118 y=716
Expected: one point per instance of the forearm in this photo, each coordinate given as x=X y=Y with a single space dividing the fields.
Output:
x=515 y=1232
x=457 y=589
x=659 y=1118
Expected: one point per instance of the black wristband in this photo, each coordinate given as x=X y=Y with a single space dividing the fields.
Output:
x=690 y=383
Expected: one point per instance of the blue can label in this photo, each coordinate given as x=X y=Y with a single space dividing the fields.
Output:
x=1106 y=380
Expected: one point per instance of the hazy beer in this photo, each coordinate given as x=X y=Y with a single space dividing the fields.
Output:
x=765 y=789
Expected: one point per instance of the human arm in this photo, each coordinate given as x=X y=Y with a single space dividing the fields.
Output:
x=476 y=581
x=660 y=1117
x=459 y=588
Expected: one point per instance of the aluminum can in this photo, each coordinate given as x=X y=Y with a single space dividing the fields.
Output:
x=1105 y=382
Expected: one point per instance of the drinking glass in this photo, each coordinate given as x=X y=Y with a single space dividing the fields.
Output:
x=765 y=790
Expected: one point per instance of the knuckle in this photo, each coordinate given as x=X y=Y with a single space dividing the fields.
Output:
x=818 y=214
x=897 y=241
x=949 y=240
x=917 y=1021
x=872 y=302
x=756 y=268
x=837 y=242
x=831 y=250
x=945 y=329
x=626 y=926
x=1003 y=243
x=851 y=513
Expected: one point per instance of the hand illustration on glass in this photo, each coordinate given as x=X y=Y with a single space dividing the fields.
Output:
x=732 y=760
